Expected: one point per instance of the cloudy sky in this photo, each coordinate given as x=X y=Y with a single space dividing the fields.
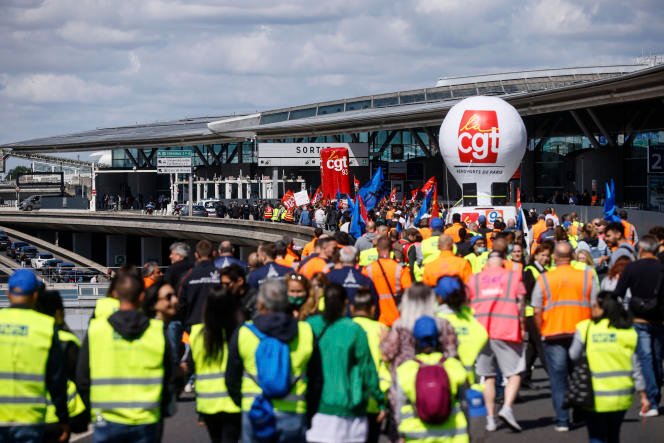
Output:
x=73 y=65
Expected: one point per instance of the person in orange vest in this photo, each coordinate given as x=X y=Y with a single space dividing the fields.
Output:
x=446 y=264
x=497 y=297
x=630 y=230
x=390 y=280
x=562 y=297
x=309 y=247
x=453 y=231
x=151 y=273
x=537 y=229
x=424 y=228
x=282 y=255
x=267 y=214
x=321 y=263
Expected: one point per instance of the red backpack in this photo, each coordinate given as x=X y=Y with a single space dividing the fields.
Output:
x=432 y=393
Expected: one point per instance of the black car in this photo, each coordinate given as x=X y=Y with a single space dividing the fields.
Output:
x=4 y=242
x=26 y=253
x=49 y=267
x=11 y=249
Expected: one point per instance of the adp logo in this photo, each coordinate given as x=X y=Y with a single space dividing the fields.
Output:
x=478 y=137
x=337 y=163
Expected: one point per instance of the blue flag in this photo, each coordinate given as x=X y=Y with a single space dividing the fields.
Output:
x=610 y=210
x=351 y=205
x=424 y=209
x=356 y=222
x=371 y=192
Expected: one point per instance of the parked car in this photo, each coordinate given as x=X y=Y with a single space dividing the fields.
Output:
x=196 y=210
x=61 y=270
x=4 y=242
x=11 y=250
x=77 y=275
x=210 y=206
x=38 y=261
x=26 y=253
x=49 y=267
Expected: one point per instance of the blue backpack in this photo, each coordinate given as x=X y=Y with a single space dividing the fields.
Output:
x=274 y=377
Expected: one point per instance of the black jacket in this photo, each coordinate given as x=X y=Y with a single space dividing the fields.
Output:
x=284 y=327
x=130 y=325
x=194 y=290
x=176 y=271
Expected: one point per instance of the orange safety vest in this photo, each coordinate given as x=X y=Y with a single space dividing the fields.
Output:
x=267 y=215
x=453 y=231
x=494 y=297
x=630 y=232
x=288 y=216
x=566 y=299
x=426 y=233
x=308 y=248
x=388 y=288
x=313 y=267
x=447 y=264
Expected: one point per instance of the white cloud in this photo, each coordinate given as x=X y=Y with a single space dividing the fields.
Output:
x=50 y=88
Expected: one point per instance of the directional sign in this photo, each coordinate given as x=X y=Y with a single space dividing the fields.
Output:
x=174 y=170
x=184 y=153
x=174 y=162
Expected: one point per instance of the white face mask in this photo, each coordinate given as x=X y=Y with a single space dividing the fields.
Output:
x=480 y=250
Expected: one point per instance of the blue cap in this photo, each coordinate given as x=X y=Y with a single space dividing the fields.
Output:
x=436 y=224
x=481 y=218
x=474 y=240
x=425 y=331
x=445 y=286
x=22 y=282
x=567 y=224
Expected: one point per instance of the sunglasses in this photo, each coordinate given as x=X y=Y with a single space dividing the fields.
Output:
x=297 y=277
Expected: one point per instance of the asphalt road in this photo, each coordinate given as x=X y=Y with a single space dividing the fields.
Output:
x=534 y=411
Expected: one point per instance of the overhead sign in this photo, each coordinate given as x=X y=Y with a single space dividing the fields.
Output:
x=174 y=153
x=174 y=162
x=656 y=159
x=308 y=154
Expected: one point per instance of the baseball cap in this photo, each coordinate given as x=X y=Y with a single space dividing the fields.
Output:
x=474 y=239
x=22 y=282
x=481 y=218
x=425 y=331
x=436 y=223
x=445 y=286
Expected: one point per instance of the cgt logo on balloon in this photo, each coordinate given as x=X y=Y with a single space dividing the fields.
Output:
x=478 y=137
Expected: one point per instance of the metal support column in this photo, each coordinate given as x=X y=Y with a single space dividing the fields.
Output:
x=584 y=129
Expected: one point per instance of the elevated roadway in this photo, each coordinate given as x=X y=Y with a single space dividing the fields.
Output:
x=240 y=232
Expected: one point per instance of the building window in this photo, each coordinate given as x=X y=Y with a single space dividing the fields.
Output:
x=302 y=113
x=274 y=118
x=354 y=106
x=330 y=109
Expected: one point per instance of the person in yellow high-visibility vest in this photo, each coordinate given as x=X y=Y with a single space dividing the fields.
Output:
x=124 y=369
x=31 y=365
x=209 y=356
x=609 y=341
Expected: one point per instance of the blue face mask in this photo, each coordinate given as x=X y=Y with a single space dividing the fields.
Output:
x=510 y=248
x=480 y=250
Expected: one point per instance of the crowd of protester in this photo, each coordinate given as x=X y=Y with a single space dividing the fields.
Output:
x=407 y=331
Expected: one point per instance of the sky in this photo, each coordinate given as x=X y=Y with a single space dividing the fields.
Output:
x=75 y=65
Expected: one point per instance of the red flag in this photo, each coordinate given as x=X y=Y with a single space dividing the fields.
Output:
x=318 y=196
x=356 y=184
x=426 y=187
x=393 y=195
x=288 y=200
x=363 y=210
x=413 y=194
x=435 y=210
x=403 y=202
x=518 y=198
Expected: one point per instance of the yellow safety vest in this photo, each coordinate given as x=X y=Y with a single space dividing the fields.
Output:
x=211 y=394
x=106 y=307
x=471 y=335
x=301 y=349
x=368 y=256
x=275 y=214
x=411 y=428
x=126 y=377
x=75 y=404
x=477 y=262
x=25 y=341
x=430 y=249
x=609 y=352
x=374 y=332
x=530 y=311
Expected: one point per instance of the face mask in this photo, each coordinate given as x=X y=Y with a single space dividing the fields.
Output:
x=510 y=248
x=296 y=301
x=481 y=250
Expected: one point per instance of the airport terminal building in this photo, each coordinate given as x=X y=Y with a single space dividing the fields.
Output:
x=585 y=126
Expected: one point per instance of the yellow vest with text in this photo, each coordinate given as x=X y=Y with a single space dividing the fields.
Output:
x=609 y=352
x=105 y=307
x=211 y=394
x=25 y=341
x=471 y=335
x=301 y=348
x=411 y=428
x=375 y=331
x=126 y=377
x=75 y=404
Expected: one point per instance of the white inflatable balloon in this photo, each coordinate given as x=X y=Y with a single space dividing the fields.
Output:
x=482 y=140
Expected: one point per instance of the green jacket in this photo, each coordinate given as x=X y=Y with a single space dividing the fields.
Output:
x=349 y=372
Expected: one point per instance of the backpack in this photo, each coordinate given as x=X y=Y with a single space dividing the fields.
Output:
x=274 y=377
x=433 y=399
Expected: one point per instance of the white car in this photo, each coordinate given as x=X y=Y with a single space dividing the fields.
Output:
x=210 y=206
x=40 y=259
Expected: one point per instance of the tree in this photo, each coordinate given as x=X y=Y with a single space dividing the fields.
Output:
x=11 y=175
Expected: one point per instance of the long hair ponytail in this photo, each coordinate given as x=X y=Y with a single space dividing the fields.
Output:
x=219 y=321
